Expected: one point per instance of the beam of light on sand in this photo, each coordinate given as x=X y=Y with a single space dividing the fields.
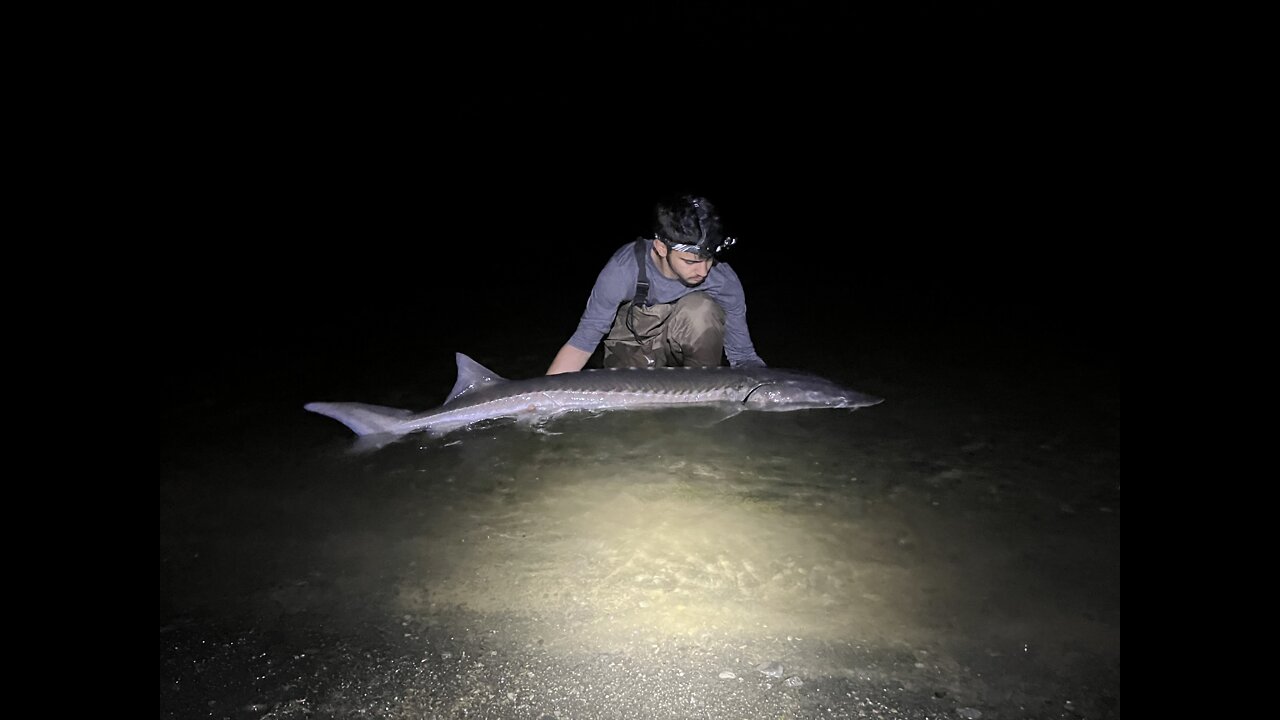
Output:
x=705 y=541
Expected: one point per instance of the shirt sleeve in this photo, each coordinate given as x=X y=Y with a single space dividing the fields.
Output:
x=615 y=283
x=738 y=347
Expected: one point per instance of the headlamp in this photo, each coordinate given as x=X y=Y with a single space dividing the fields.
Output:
x=703 y=248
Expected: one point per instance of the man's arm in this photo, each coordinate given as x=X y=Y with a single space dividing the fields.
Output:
x=737 y=339
x=615 y=283
x=569 y=359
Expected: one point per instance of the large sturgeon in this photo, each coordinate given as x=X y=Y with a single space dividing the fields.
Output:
x=480 y=394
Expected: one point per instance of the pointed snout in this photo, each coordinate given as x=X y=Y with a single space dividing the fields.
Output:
x=852 y=399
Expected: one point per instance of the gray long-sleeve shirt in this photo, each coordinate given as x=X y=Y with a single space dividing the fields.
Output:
x=617 y=284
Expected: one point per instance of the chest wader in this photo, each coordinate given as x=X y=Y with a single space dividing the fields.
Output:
x=686 y=333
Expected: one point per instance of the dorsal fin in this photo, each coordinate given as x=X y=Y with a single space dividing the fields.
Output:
x=471 y=376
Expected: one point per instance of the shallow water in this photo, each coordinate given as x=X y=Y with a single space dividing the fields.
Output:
x=953 y=550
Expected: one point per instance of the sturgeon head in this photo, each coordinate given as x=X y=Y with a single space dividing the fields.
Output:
x=784 y=390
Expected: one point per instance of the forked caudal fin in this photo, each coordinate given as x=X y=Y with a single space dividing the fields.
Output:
x=362 y=418
x=366 y=419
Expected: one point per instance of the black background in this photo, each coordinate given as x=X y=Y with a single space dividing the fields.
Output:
x=895 y=168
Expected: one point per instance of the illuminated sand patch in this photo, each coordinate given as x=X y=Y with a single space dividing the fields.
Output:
x=612 y=564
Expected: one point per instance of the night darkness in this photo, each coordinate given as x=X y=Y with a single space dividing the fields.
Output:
x=920 y=194
x=913 y=167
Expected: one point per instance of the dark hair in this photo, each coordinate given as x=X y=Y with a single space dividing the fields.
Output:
x=688 y=220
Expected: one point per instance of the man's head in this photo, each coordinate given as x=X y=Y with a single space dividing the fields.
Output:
x=686 y=236
x=690 y=224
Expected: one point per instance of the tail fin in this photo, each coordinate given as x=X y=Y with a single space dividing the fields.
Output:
x=363 y=419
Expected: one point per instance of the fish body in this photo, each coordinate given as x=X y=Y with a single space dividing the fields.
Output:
x=480 y=394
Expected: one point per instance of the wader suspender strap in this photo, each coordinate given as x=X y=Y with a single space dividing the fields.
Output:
x=642 y=286
x=642 y=278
